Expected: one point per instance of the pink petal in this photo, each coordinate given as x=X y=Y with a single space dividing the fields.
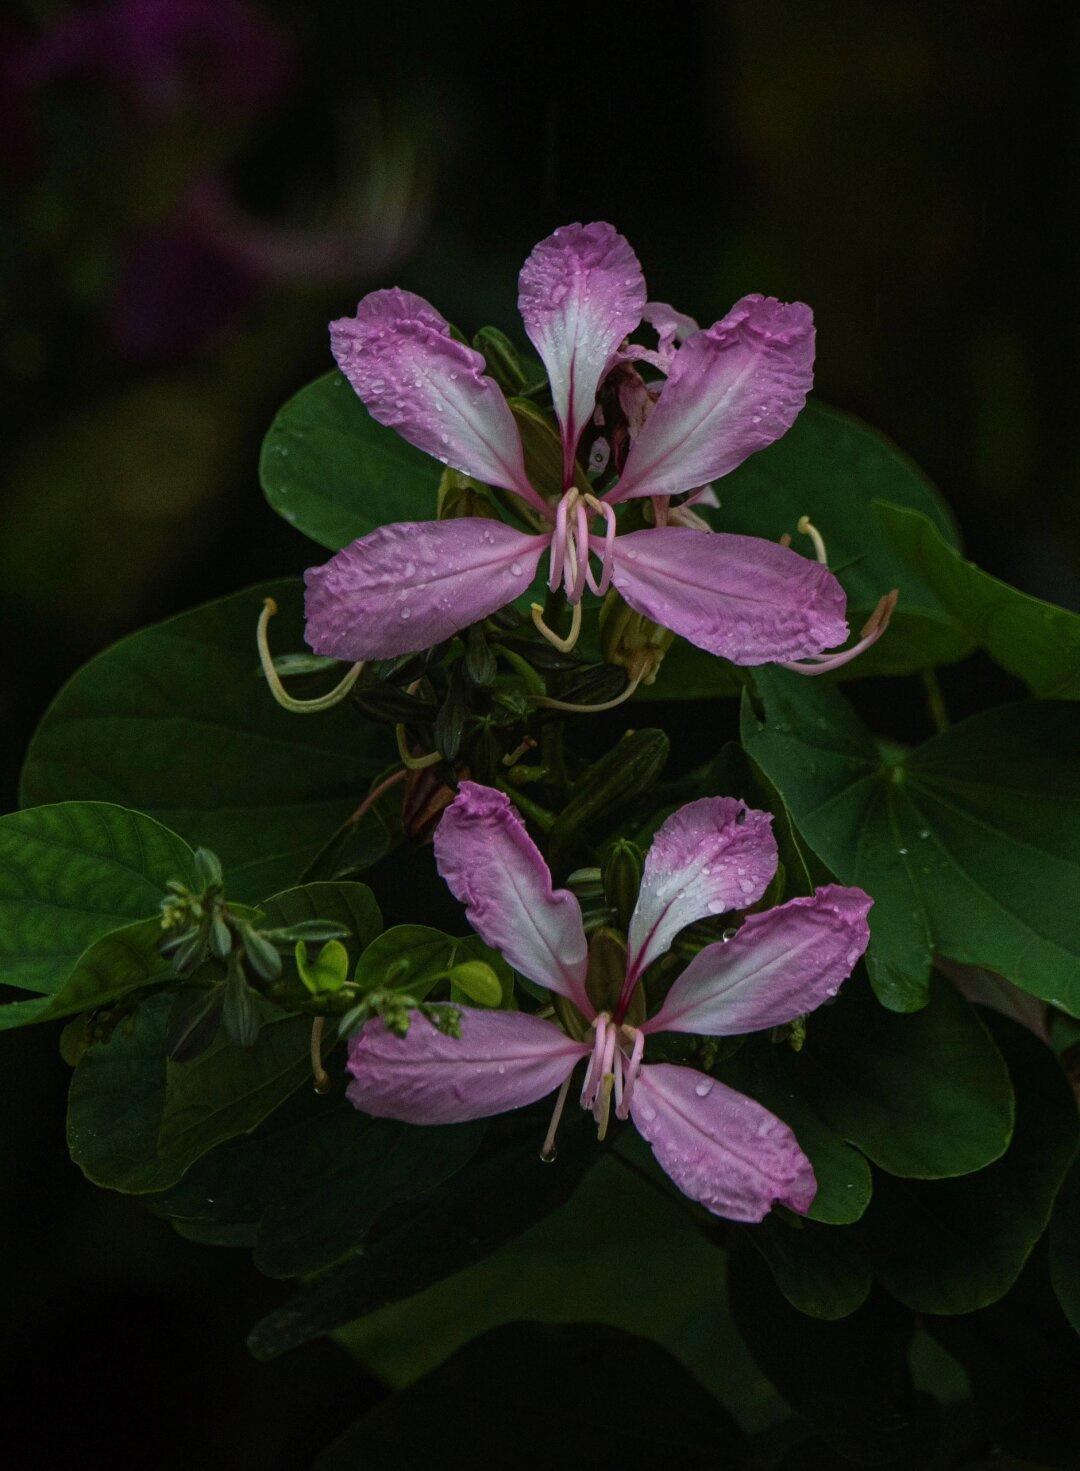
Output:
x=492 y=865
x=413 y=376
x=410 y=585
x=780 y=965
x=720 y=1147
x=502 y=1060
x=738 y=596
x=710 y=856
x=732 y=389
x=580 y=292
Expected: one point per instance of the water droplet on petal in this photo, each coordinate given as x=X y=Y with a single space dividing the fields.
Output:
x=704 y=1088
x=515 y=568
x=404 y=613
x=728 y=935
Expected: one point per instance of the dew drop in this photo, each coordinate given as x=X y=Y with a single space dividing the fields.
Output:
x=728 y=935
x=717 y=906
x=902 y=852
x=515 y=568
x=924 y=833
x=409 y=569
x=648 y=1113
x=404 y=613
x=502 y=1069
x=704 y=1088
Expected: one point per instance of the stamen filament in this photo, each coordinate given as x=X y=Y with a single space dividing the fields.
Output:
x=872 y=630
x=633 y=1067
x=550 y=704
x=318 y=1072
x=414 y=763
x=547 y=1149
x=807 y=528
x=278 y=690
x=564 y=645
x=608 y=514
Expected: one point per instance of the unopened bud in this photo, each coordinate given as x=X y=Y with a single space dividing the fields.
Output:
x=622 y=879
x=604 y=792
x=607 y=969
x=631 y=640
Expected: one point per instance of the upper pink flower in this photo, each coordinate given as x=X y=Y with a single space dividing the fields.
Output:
x=720 y=1147
x=731 y=389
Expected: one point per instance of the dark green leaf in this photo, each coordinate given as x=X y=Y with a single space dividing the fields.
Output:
x=1023 y=1360
x=335 y=474
x=849 y=1378
x=229 y=1090
x=970 y=844
x=821 y=1270
x=72 y=873
x=951 y=1246
x=502 y=1192
x=1036 y=641
x=472 y=1412
x=177 y=720
x=414 y=958
x=925 y=1095
x=107 y=970
x=1065 y=1246
x=241 y=1015
x=350 y=906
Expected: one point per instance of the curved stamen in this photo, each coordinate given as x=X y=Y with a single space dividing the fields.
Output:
x=583 y=548
x=550 y=704
x=589 y=1089
x=278 y=690
x=602 y=1106
x=872 y=630
x=547 y=1149
x=564 y=645
x=414 y=763
x=633 y=1067
x=807 y=528
x=608 y=514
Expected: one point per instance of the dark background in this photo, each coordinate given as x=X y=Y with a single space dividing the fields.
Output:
x=192 y=189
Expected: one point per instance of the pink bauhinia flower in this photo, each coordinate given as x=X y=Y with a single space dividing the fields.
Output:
x=730 y=389
x=714 y=855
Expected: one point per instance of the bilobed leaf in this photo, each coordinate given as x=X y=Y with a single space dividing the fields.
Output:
x=589 y=1375
x=952 y=1246
x=177 y=721
x=925 y=1096
x=335 y=474
x=1035 y=640
x=414 y=958
x=70 y=874
x=969 y=844
x=821 y=1270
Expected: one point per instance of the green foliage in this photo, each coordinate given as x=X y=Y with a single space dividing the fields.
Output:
x=335 y=474
x=177 y=721
x=70 y=874
x=1036 y=641
x=970 y=844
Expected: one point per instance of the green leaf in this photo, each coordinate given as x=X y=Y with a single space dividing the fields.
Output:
x=832 y=468
x=106 y=971
x=229 y=1090
x=304 y=1189
x=770 y=1073
x=498 y=1195
x=925 y=1096
x=335 y=474
x=1038 y=642
x=414 y=958
x=969 y=844
x=72 y=873
x=849 y=1378
x=472 y=1412
x=350 y=905
x=561 y=1270
x=115 y=1102
x=178 y=722
x=1065 y=1246
x=822 y=1271
x=951 y=1246
x=328 y=971
x=1023 y=1361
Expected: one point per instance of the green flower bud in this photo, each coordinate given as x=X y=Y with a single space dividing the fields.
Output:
x=631 y=640
x=622 y=879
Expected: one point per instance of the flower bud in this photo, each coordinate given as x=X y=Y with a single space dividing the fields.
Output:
x=461 y=495
x=622 y=879
x=631 y=640
x=502 y=360
x=603 y=793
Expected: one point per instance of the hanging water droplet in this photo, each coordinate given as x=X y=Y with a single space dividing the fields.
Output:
x=728 y=935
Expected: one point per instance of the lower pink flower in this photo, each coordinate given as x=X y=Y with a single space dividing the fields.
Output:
x=720 y=1147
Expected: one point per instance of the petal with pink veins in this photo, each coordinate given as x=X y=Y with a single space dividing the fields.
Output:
x=580 y=292
x=502 y=1060
x=413 y=376
x=741 y=597
x=732 y=389
x=410 y=585
x=710 y=856
x=491 y=864
x=780 y=965
x=720 y=1147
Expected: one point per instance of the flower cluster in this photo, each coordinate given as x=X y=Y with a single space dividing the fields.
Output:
x=724 y=392
x=713 y=856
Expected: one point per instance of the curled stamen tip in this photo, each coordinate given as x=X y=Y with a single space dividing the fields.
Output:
x=785 y=540
x=878 y=621
x=270 y=605
x=323 y=1085
x=803 y=525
